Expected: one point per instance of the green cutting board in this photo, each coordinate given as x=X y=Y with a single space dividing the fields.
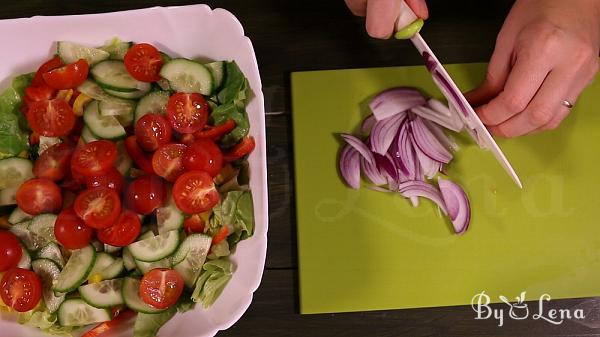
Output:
x=367 y=250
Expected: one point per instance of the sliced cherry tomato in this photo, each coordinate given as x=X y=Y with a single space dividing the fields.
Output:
x=145 y=194
x=70 y=231
x=220 y=236
x=244 y=147
x=152 y=131
x=203 y=155
x=95 y=157
x=37 y=196
x=194 y=224
x=123 y=232
x=187 y=113
x=10 y=251
x=39 y=93
x=112 y=179
x=141 y=159
x=54 y=163
x=161 y=287
x=52 y=118
x=21 y=289
x=98 y=207
x=217 y=131
x=195 y=192
x=143 y=62
x=105 y=327
x=67 y=77
x=167 y=161
x=53 y=63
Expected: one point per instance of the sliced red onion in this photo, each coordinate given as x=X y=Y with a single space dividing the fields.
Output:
x=427 y=142
x=422 y=189
x=457 y=204
x=386 y=164
x=439 y=106
x=449 y=122
x=384 y=132
x=414 y=201
x=467 y=120
x=446 y=140
x=367 y=124
x=350 y=166
x=406 y=152
x=359 y=146
x=372 y=172
x=430 y=167
x=394 y=101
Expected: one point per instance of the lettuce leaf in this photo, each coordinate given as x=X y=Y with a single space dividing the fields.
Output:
x=222 y=113
x=147 y=325
x=13 y=139
x=235 y=86
x=215 y=276
x=236 y=210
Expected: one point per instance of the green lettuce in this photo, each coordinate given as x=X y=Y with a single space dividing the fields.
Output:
x=213 y=279
x=13 y=139
x=222 y=113
x=236 y=210
x=45 y=321
x=235 y=86
x=147 y=325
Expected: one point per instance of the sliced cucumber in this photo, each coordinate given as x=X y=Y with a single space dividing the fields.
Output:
x=104 y=294
x=169 y=217
x=46 y=142
x=124 y=161
x=163 y=84
x=90 y=88
x=8 y=196
x=145 y=267
x=194 y=249
x=111 y=249
x=48 y=272
x=114 y=270
x=127 y=94
x=117 y=48
x=103 y=261
x=25 y=261
x=146 y=234
x=75 y=312
x=154 y=102
x=132 y=298
x=18 y=215
x=21 y=230
x=98 y=246
x=70 y=52
x=188 y=76
x=76 y=270
x=107 y=127
x=128 y=260
x=217 y=69
x=14 y=171
x=52 y=252
x=43 y=227
x=88 y=136
x=112 y=74
x=156 y=247
x=109 y=108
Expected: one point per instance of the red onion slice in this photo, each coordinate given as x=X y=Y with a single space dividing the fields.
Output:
x=359 y=146
x=367 y=124
x=439 y=107
x=430 y=167
x=386 y=164
x=427 y=142
x=384 y=132
x=446 y=140
x=422 y=189
x=394 y=101
x=407 y=152
x=457 y=204
x=350 y=166
x=372 y=173
x=454 y=124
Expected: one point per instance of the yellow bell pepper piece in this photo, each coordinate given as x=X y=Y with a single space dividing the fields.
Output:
x=95 y=278
x=65 y=94
x=80 y=103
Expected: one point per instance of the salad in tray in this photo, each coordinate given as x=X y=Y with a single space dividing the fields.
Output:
x=124 y=187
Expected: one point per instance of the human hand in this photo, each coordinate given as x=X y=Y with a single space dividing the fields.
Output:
x=382 y=14
x=546 y=53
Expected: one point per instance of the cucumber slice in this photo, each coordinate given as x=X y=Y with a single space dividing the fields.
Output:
x=70 y=52
x=46 y=142
x=52 y=252
x=8 y=196
x=98 y=246
x=145 y=267
x=146 y=234
x=48 y=272
x=21 y=230
x=114 y=270
x=188 y=76
x=14 y=171
x=43 y=227
x=18 y=215
x=75 y=312
x=111 y=249
x=124 y=161
x=76 y=270
x=217 y=69
x=113 y=75
x=103 y=294
x=88 y=136
x=132 y=298
x=107 y=127
x=103 y=261
x=93 y=90
x=154 y=102
x=128 y=260
x=169 y=217
x=127 y=95
x=156 y=247
x=25 y=261
x=109 y=108
x=117 y=48
x=194 y=249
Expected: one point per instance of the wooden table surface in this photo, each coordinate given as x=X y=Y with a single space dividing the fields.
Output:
x=293 y=35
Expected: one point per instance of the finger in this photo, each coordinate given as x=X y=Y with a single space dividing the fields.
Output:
x=381 y=17
x=523 y=81
x=545 y=107
x=419 y=7
x=357 y=7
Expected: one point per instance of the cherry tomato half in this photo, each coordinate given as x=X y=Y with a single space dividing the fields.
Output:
x=54 y=163
x=152 y=131
x=145 y=194
x=39 y=195
x=53 y=63
x=143 y=62
x=21 y=289
x=161 y=287
x=141 y=159
x=194 y=224
x=195 y=192
x=95 y=157
x=187 y=113
x=203 y=155
x=98 y=207
x=10 y=251
x=167 y=161
x=52 y=118
x=125 y=230
x=112 y=179
x=69 y=76
x=39 y=93
x=70 y=231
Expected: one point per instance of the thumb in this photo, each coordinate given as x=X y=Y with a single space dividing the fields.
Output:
x=419 y=7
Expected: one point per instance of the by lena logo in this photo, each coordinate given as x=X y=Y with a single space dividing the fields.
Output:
x=519 y=310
